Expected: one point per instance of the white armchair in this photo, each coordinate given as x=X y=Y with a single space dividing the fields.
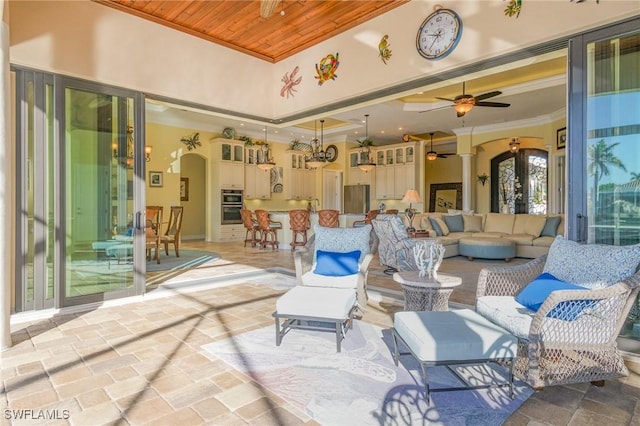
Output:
x=337 y=240
x=571 y=338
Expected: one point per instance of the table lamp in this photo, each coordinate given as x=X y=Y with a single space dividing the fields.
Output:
x=411 y=196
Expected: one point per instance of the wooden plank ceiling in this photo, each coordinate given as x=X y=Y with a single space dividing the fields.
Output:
x=238 y=24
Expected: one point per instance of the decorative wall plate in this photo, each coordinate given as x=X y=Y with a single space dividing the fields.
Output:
x=331 y=153
x=229 y=133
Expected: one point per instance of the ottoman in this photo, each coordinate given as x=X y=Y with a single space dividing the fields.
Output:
x=487 y=248
x=453 y=337
x=315 y=308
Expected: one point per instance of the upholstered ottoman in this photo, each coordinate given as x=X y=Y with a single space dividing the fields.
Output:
x=313 y=308
x=453 y=337
x=487 y=248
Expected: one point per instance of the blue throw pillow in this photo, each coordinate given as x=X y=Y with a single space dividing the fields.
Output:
x=454 y=222
x=332 y=264
x=436 y=227
x=537 y=291
x=550 y=227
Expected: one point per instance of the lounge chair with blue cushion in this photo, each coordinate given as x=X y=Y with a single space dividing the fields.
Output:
x=566 y=309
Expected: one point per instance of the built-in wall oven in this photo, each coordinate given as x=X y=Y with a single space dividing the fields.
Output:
x=231 y=203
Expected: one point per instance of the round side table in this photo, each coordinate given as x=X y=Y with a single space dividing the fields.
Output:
x=426 y=294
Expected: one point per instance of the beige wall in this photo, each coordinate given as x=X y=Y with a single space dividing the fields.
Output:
x=193 y=167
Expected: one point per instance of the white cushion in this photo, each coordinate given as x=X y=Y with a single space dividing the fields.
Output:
x=319 y=302
x=507 y=313
x=453 y=336
x=343 y=240
x=314 y=280
x=591 y=265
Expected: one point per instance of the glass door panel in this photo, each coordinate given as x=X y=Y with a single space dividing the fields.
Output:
x=98 y=158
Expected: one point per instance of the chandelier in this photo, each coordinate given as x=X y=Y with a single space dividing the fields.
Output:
x=317 y=157
x=265 y=162
x=365 y=158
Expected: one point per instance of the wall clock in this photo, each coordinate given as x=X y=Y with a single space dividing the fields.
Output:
x=331 y=153
x=439 y=34
x=229 y=133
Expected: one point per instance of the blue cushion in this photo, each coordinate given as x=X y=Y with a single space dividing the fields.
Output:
x=537 y=291
x=436 y=227
x=332 y=264
x=454 y=222
x=550 y=227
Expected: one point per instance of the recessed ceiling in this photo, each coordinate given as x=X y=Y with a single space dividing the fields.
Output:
x=239 y=26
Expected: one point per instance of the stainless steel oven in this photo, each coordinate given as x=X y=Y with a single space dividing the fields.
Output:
x=231 y=203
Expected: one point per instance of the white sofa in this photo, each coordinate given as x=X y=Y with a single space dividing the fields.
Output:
x=531 y=233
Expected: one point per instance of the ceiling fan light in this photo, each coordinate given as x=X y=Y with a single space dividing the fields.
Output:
x=432 y=155
x=463 y=108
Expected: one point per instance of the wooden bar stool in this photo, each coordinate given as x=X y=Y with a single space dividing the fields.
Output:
x=251 y=227
x=299 y=223
x=328 y=218
x=268 y=229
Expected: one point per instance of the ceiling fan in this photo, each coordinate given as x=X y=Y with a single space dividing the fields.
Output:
x=465 y=102
x=432 y=155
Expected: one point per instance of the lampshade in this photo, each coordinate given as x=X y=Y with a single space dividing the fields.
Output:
x=366 y=167
x=411 y=196
x=514 y=145
x=266 y=166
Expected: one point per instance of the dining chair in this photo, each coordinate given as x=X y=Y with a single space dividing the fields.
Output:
x=152 y=231
x=173 y=230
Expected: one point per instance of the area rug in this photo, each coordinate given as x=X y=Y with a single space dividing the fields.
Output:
x=104 y=266
x=361 y=385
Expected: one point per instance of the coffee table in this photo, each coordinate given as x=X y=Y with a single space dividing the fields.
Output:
x=426 y=294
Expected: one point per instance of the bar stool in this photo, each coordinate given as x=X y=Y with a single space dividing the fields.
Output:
x=367 y=219
x=299 y=222
x=268 y=229
x=391 y=211
x=328 y=218
x=251 y=227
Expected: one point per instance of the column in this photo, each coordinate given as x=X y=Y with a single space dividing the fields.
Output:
x=466 y=181
x=6 y=193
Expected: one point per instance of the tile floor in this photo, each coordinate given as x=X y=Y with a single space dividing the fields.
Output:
x=139 y=362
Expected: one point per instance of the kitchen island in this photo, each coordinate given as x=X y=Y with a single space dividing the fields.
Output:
x=285 y=235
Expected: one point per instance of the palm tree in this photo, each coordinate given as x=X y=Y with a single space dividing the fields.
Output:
x=601 y=157
x=635 y=177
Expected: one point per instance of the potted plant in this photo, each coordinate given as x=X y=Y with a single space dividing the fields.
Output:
x=483 y=178
x=247 y=140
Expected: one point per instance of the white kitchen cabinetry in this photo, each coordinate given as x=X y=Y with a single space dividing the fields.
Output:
x=357 y=176
x=395 y=171
x=256 y=183
x=231 y=233
x=299 y=181
x=229 y=159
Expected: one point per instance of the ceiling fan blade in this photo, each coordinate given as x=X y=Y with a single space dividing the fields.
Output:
x=493 y=104
x=445 y=99
x=488 y=95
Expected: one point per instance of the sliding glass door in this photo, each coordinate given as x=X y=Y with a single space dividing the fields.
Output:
x=80 y=168
x=604 y=145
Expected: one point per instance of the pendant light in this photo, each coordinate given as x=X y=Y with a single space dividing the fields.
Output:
x=431 y=155
x=318 y=157
x=366 y=162
x=266 y=163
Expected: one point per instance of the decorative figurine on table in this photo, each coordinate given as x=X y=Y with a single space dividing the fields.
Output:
x=428 y=256
x=382 y=208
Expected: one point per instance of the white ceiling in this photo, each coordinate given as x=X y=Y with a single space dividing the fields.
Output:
x=530 y=98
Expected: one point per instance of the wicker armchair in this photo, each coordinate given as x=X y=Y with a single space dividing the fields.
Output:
x=337 y=240
x=552 y=349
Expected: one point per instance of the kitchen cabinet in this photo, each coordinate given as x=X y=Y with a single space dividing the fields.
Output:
x=231 y=175
x=231 y=233
x=228 y=157
x=395 y=171
x=299 y=181
x=257 y=183
x=355 y=175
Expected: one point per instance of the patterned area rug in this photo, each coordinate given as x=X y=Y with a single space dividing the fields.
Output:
x=361 y=385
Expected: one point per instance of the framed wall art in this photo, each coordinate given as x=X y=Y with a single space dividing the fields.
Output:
x=561 y=140
x=184 y=189
x=155 y=179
